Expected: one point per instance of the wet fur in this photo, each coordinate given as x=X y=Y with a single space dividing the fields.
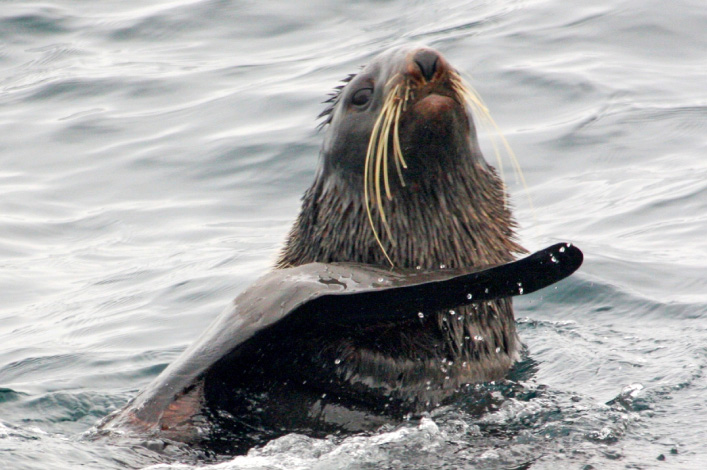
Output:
x=455 y=216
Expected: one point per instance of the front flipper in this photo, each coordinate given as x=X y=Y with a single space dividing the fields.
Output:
x=400 y=297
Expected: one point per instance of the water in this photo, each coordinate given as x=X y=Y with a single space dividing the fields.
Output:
x=152 y=159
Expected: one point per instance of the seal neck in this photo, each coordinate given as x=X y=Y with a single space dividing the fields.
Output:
x=454 y=219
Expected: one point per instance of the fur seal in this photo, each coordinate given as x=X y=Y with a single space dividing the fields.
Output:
x=392 y=290
x=402 y=182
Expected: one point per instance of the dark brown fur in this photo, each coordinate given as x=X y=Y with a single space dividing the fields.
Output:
x=455 y=216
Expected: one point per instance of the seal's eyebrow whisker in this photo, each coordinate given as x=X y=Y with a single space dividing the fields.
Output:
x=332 y=100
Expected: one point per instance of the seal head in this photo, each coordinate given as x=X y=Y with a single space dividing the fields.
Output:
x=401 y=169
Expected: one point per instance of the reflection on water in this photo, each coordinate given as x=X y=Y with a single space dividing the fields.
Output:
x=153 y=157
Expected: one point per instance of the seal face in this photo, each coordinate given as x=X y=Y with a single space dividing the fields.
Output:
x=402 y=182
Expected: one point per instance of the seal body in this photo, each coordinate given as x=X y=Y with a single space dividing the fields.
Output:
x=448 y=209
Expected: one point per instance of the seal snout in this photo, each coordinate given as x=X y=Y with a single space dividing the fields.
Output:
x=426 y=60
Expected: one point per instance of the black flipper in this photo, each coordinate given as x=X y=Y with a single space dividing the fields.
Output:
x=402 y=298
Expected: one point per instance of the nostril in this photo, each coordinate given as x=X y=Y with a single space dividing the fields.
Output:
x=427 y=61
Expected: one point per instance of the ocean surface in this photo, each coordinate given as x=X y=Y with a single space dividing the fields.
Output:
x=153 y=156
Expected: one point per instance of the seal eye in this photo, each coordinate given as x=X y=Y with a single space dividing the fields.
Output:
x=362 y=96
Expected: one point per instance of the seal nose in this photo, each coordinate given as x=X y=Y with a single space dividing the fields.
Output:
x=426 y=60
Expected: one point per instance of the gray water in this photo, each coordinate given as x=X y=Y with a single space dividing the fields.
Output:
x=152 y=157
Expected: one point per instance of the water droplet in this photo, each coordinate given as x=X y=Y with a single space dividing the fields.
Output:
x=520 y=291
x=469 y=296
x=420 y=314
x=452 y=312
x=464 y=364
x=562 y=249
x=553 y=259
x=467 y=338
x=418 y=267
x=478 y=338
x=486 y=291
x=380 y=279
x=442 y=266
x=498 y=350
x=337 y=361
x=323 y=395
